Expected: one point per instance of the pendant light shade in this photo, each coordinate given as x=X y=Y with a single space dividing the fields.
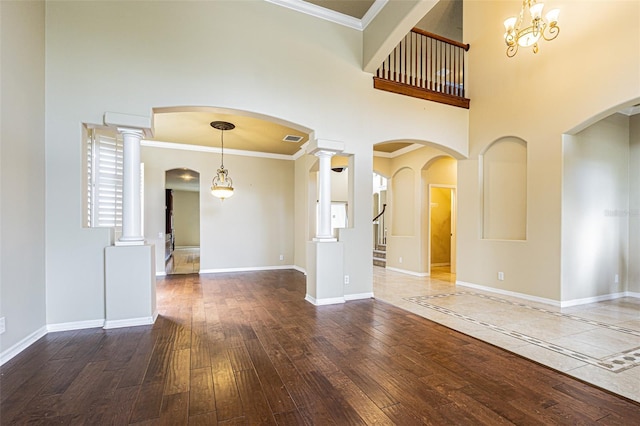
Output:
x=222 y=184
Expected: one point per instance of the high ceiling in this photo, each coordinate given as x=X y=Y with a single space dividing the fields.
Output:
x=263 y=135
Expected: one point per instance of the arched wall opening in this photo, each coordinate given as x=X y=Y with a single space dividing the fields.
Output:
x=412 y=167
x=182 y=221
x=600 y=205
x=254 y=229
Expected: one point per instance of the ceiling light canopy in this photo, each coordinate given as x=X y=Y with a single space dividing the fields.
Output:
x=222 y=185
x=546 y=28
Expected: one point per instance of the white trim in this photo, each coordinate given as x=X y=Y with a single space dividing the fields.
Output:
x=130 y=322
x=299 y=269
x=510 y=293
x=358 y=296
x=595 y=299
x=327 y=301
x=246 y=269
x=404 y=271
x=559 y=304
x=320 y=12
x=76 y=325
x=22 y=345
x=209 y=149
x=161 y=274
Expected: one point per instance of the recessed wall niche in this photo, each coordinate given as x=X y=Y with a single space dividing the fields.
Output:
x=503 y=180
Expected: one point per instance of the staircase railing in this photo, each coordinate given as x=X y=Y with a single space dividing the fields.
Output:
x=427 y=66
x=384 y=207
x=380 y=228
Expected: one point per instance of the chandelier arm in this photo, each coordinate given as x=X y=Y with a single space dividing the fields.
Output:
x=553 y=30
x=512 y=50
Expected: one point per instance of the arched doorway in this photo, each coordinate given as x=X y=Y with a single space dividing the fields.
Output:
x=182 y=221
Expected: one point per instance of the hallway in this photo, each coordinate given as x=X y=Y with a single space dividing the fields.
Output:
x=598 y=343
x=183 y=260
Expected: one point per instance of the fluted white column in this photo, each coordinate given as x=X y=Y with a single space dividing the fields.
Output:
x=324 y=196
x=131 y=203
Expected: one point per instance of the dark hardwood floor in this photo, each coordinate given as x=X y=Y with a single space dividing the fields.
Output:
x=245 y=348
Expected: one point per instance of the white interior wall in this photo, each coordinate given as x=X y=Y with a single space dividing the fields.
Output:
x=268 y=60
x=538 y=98
x=595 y=210
x=410 y=252
x=22 y=180
x=249 y=230
x=633 y=275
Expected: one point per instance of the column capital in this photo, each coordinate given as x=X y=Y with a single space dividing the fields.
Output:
x=128 y=123
x=325 y=145
x=323 y=153
x=131 y=131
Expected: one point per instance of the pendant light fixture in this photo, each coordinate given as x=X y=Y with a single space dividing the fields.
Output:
x=222 y=185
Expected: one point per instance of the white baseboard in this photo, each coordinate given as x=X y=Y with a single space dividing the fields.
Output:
x=299 y=269
x=587 y=300
x=510 y=293
x=321 y=302
x=404 y=271
x=246 y=269
x=22 y=345
x=161 y=274
x=559 y=304
x=358 y=296
x=77 y=325
x=130 y=322
x=596 y=299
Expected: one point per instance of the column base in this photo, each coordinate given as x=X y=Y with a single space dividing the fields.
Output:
x=137 y=241
x=325 y=239
x=130 y=286
x=325 y=272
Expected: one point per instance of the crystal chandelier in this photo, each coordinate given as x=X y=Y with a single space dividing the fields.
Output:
x=546 y=28
x=222 y=185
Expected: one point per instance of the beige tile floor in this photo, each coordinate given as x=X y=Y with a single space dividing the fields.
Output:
x=184 y=260
x=598 y=343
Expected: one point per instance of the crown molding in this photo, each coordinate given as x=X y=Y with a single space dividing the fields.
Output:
x=333 y=16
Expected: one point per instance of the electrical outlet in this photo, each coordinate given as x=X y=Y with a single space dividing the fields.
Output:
x=500 y=276
x=400 y=260
x=616 y=279
x=346 y=279
x=2 y=325
x=282 y=257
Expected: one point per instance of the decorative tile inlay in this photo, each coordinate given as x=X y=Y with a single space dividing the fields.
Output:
x=614 y=363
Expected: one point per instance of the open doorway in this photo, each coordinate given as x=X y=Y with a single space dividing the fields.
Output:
x=442 y=225
x=182 y=221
